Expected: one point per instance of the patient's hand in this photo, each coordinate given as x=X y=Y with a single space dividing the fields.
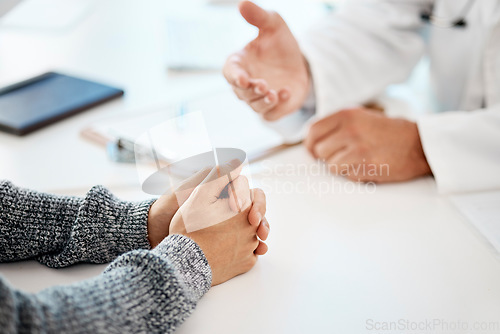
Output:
x=225 y=227
x=163 y=210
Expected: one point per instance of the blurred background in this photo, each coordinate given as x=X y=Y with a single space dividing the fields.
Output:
x=166 y=55
x=161 y=53
x=149 y=48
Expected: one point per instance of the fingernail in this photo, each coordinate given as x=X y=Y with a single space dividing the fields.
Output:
x=259 y=217
x=267 y=100
x=257 y=90
x=266 y=223
x=284 y=95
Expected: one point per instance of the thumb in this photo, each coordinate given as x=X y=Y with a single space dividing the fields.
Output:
x=256 y=16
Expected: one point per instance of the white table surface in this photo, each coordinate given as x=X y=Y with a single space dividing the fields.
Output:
x=336 y=259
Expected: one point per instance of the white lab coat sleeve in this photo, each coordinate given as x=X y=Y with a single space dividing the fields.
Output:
x=358 y=50
x=463 y=149
x=293 y=128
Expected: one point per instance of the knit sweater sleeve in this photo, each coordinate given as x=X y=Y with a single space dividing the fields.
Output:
x=59 y=230
x=140 y=292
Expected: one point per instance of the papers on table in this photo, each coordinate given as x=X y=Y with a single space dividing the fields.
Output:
x=483 y=211
x=218 y=120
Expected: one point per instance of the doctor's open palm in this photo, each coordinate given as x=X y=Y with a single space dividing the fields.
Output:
x=270 y=73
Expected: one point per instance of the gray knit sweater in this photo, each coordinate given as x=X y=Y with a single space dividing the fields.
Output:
x=142 y=291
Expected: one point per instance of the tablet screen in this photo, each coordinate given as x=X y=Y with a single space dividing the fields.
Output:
x=43 y=100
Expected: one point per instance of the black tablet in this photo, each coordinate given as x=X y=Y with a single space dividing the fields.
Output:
x=48 y=98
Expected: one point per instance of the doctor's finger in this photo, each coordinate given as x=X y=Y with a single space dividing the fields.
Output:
x=235 y=73
x=257 y=89
x=320 y=129
x=258 y=16
x=329 y=145
x=265 y=104
x=351 y=162
x=282 y=108
x=343 y=162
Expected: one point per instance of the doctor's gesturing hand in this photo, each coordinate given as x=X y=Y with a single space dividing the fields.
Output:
x=270 y=73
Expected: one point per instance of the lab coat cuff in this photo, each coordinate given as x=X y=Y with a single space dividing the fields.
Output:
x=460 y=149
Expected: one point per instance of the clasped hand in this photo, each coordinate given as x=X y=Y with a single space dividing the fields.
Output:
x=216 y=209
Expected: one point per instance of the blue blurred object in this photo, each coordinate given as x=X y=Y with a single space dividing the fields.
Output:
x=48 y=98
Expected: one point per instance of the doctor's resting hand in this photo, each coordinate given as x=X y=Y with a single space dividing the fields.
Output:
x=165 y=253
x=364 y=145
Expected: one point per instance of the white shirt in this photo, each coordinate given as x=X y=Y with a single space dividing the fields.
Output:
x=357 y=51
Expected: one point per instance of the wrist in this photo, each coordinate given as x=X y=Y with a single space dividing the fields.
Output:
x=421 y=166
x=160 y=215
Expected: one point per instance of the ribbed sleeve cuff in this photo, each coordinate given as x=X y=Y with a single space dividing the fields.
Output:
x=131 y=226
x=189 y=260
x=105 y=227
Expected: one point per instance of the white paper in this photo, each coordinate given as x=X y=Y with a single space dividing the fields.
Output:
x=483 y=211
x=227 y=122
